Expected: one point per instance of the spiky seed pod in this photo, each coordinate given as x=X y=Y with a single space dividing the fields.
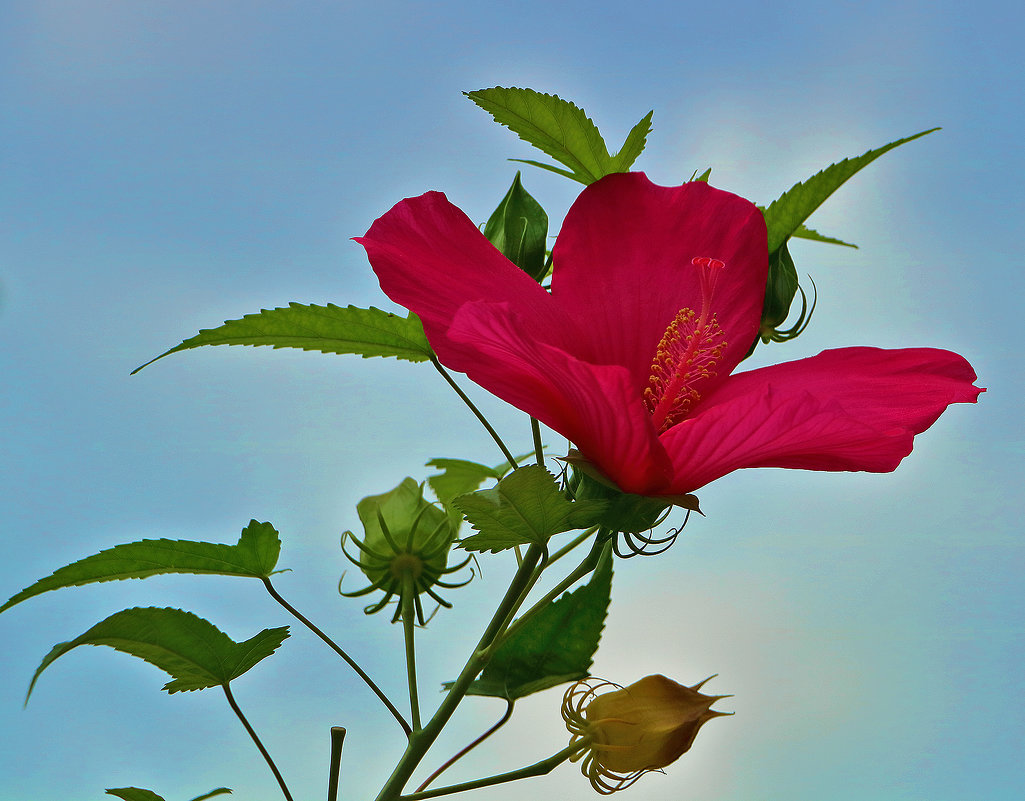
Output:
x=405 y=547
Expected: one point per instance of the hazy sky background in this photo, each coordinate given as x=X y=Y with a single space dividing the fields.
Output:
x=168 y=165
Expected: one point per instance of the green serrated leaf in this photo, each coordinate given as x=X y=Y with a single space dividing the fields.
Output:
x=555 y=646
x=804 y=232
x=553 y=125
x=458 y=477
x=785 y=214
x=525 y=507
x=562 y=130
x=194 y=652
x=329 y=329
x=255 y=555
x=134 y=794
x=634 y=144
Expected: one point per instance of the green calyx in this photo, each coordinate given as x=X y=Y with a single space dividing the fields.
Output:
x=405 y=548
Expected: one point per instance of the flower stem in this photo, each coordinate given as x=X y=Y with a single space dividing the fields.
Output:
x=587 y=565
x=408 y=627
x=463 y=752
x=484 y=421
x=537 y=769
x=580 y=538
x=259 y=745
x=420 y=741
x=334 y=647
x=535 y=429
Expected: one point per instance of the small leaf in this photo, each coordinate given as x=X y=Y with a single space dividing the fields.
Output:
x=194 y=652
x=793 y=207
x=329 y=329
x=634 y=144
x=212 y=793
x=519 y=228
x=804 y=232
x=562 y=130
x=555 y=646
x=459 y=477
x=525 y=507
x=255 y=555
x=134 y=794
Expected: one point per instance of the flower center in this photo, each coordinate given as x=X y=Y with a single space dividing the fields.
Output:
x=687 y=353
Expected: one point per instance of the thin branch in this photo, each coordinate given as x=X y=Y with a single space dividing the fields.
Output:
x=537 y=769
x=501 y=722
x=408 y=627
x=259 y=745
x=484 y=421
x=348 y=659
x=535 y=429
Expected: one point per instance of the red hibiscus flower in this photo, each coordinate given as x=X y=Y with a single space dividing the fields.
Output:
x=656 y=297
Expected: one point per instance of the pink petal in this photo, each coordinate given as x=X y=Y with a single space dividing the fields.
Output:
x=594 y=406
x=845 y=409
x=623 y=263
x=430 y=258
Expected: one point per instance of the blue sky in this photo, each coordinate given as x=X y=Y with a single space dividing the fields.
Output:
x=166 y=166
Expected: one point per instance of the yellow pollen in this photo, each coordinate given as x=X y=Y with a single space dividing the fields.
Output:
x=687 y=353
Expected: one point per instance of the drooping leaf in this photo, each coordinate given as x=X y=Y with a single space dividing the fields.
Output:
x=255 y=555
x=562 y=130
x=329 y=329
x=194 y=652
x=519 y=228
x=793 y=207
x=134 y=794
x=525 y=507
x=138 y=794
x=555 y=646
x=212 y=793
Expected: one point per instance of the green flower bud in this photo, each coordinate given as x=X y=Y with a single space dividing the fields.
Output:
x=519 y=228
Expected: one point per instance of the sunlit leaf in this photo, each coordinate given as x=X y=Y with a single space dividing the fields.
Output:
x=562 y=130
x=255 y=555
x=194 y=652
x=785 y=214
x=329 y=329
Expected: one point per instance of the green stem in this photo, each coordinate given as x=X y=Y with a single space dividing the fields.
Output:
x=537 y=769
x=334 y=647
x=337 y=738
x=484 y=421
x=408 y=627
x=535 y=429
x=259 y=745
x=581 y=538
x=464 y=751
x=420 y=741
x=587 y=565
